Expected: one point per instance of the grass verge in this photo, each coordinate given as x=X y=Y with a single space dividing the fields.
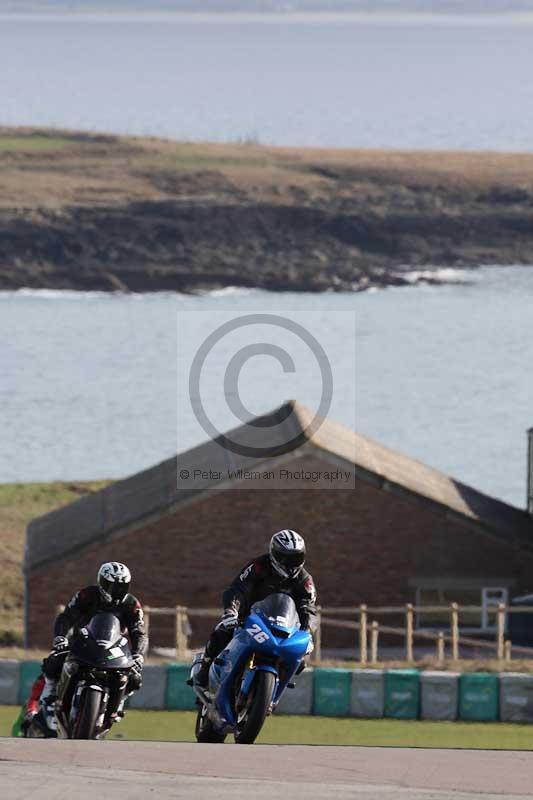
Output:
x=20 y=503
x=178 y=726
x=25 y=144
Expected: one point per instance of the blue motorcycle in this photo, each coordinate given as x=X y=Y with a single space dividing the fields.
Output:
x=248 y=678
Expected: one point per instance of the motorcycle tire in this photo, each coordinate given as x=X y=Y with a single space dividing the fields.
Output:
x=249 y=727
x=204 y=731
x=85 y=727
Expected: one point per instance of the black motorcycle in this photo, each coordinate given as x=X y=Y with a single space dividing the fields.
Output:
x=94 y=679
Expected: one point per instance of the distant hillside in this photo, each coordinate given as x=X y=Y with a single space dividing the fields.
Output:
x=272 y=6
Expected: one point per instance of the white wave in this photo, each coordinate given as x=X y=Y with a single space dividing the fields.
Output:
x=58 y=294
x=71 y=294
x=227 y=291
x=442 y=275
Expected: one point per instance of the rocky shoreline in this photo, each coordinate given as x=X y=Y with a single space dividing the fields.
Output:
x=108 y=213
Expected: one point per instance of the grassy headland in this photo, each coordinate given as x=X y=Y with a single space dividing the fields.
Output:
x=82 y=211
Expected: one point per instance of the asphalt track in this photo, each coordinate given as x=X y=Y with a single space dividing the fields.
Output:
x=61 y=770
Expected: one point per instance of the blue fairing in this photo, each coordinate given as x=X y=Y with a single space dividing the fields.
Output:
x=270 y=644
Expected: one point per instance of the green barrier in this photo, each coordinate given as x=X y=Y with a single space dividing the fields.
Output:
x=29 y=670
x=331 y=692
x=402 y=693
x=478 y=697
x=178 y=694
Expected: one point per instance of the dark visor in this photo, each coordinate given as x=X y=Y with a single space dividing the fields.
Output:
x=118 y=591
x=291 y=559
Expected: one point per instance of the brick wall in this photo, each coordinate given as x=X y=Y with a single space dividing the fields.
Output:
x=363 y=546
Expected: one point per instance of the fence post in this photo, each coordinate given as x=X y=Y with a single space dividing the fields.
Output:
x=374 y=635
x=500 y=631
x=409 y=632
x=507 y=651
x=363 y=655
x=181 y=640
x=317 y=654
x=440 y=648
x=455 y=631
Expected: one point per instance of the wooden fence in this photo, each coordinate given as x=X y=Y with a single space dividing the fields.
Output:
x=367 y=630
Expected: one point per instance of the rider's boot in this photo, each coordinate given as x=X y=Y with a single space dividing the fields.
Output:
x=48 y=697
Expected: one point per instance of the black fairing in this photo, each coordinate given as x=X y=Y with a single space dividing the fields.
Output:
x=278 y=610
x=101 y=644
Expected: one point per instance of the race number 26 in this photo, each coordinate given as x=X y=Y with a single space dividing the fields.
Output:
x=257 y=634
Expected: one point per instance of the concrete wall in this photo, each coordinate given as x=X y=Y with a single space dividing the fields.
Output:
x=9 y=682
x=327 y=692
x=516 y=697
x=439 y=698
x=300 y=699
x=153 y=690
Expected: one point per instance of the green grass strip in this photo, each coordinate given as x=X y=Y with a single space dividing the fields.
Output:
x=178 y=726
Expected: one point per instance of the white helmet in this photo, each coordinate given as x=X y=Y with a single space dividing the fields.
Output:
x=113 y=581
x=287 y=553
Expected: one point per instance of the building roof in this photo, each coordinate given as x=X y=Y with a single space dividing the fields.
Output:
x=155 y=490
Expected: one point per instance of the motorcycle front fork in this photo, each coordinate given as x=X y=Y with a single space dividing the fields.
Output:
x=114 y=708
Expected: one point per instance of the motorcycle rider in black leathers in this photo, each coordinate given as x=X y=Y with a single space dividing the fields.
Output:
x=111 y=593
x=279 y=570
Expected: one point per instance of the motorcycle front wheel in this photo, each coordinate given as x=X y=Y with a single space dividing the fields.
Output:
x=204 y=730
x=251 y=719
x=85 y=727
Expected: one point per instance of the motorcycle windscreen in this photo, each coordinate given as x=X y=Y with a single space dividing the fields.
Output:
x=105 y=627
x=100 y=643
x=279 y=610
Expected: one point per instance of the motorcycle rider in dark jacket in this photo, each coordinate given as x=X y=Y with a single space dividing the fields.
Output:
x=279 y=570
x=111 y=593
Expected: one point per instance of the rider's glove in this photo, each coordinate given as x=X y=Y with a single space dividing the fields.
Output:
x=138 y=662
x=230 y=620
x=60 y=643
x=310 y=647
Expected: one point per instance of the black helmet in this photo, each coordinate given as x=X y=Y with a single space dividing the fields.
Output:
x=114 y=581
x=287 y=553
